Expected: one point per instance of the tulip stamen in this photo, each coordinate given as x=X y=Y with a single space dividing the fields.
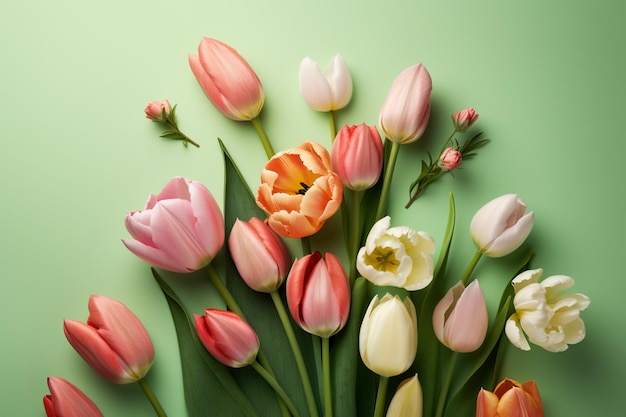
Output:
x=384 y=260
x=304 y=188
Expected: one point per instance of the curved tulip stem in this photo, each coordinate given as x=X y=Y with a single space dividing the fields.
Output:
x=446 y=385
x=333 y=125
x=355 y=234
x=158 y=409
x=271 y=380
x=384 y=194
x=184 y=137
x=228 y=298
x=381 y=396
x=471 y=266
x=328 y=394
x=297 y=353
x=265 y=141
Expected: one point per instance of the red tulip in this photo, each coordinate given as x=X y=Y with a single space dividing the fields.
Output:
x=181 y=229
x=227 y=337
x=510 y=399
x=113 y=341
x=318 y=294
x=66 y=400
x=228 y=80
x=260 y=255
x=357 y=156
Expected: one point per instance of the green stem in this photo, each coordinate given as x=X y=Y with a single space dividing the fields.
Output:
x=384 y=194
x=151 y=397
x=271 y=380
x=228 y=298
x=381 y=396
x=333 y=125
x=297 y=353
x=355 y=234
x=328 y=395
x=306 y=245
x=269 y=151
x=185 y=137
x=471 y=266
x=446 y=385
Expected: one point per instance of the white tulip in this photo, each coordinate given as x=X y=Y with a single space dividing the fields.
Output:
x=327 y=91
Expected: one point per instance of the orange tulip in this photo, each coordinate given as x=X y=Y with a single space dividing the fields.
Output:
x=299 y=191
x=510 y=399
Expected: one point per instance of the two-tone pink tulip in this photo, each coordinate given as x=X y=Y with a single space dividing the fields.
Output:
x=66 y=400
x=180 y=230
x=326 y=91
x=450 y=159
x=228 y=80
x=460 y=319
x=113 y=341
x=260 y=255
x=463 y=119
x=510 y=399
x=318 y=294
x=404 y=115
x=227 y=337
x=357 y=156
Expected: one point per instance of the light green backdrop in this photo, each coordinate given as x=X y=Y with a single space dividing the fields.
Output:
x=77 y=154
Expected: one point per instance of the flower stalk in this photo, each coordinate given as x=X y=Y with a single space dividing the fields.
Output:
x=265 y=141
x=381 y=396
x=384 y=194
x=158 y=409
x=271 y=380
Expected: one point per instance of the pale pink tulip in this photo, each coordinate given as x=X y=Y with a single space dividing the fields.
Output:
x=181 y=229
x=299 y=191
x=404 y=115
x=66 y=400
x=154 y=110
x=460 y=319
x=357 y=156
x=260 y=255
x=318 y=294
x=327 y=91
x=113 y=341
x=450 y=159
x=510 y=399
x=227 y=337
x=464 y=119
x=228 y=80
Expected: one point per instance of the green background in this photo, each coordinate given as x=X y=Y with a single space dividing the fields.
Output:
x=77 y=154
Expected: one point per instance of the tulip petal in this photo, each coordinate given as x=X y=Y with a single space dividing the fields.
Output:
x=66 y=400
x=513 y=237
x=314 y=86
x=515 y=334
x=486 y=404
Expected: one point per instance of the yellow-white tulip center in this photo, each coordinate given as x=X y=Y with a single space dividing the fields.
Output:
x=383 y=259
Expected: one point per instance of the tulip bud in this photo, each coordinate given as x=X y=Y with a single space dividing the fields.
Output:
x=158 y=111
x=227 y=337
x=329 y=91
x=113 y=341
x=180 y=230
x=510 y=398
x=357 y=156
x=388 y=335
x=450 y=159
x=408 y=399
x=66 y=400
x=260 y=255
x=404 y=115
x=460 y=319
x=463 y=119
x=501 y=225
x=228 y=80
x=318 y=294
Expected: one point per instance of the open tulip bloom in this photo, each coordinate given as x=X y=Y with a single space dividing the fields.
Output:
x=358 y=313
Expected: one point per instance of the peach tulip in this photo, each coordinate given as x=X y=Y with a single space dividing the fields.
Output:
x=510 y=399
x=404 y=115
x=180 y=230
x=299 y=191
x=260 y=255
x=227 y=337
x=66 y=400
x=357 y=156
x=327 y=91
x=318 y=294
x=228 y=80
x=113 y=341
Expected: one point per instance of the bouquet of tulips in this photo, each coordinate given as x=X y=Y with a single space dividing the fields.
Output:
x=318 y=334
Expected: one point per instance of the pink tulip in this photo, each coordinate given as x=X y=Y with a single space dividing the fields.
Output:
x=510 y=399
x=357 y=156
x=227 y=337
x=460 y=319
x=154 y=110
x=260 y=255
x=113 y=341
x=181 y=229
x=227 y=80
x=450 y=159
x=464 y=119
x=66 y=400
x=318 y=294
x=404 y=115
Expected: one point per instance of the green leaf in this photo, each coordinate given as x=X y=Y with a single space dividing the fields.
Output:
x=210 y=389
x=259 y=309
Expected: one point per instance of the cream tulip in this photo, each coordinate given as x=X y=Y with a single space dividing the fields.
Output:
x=408 y=399
x=327 y=91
